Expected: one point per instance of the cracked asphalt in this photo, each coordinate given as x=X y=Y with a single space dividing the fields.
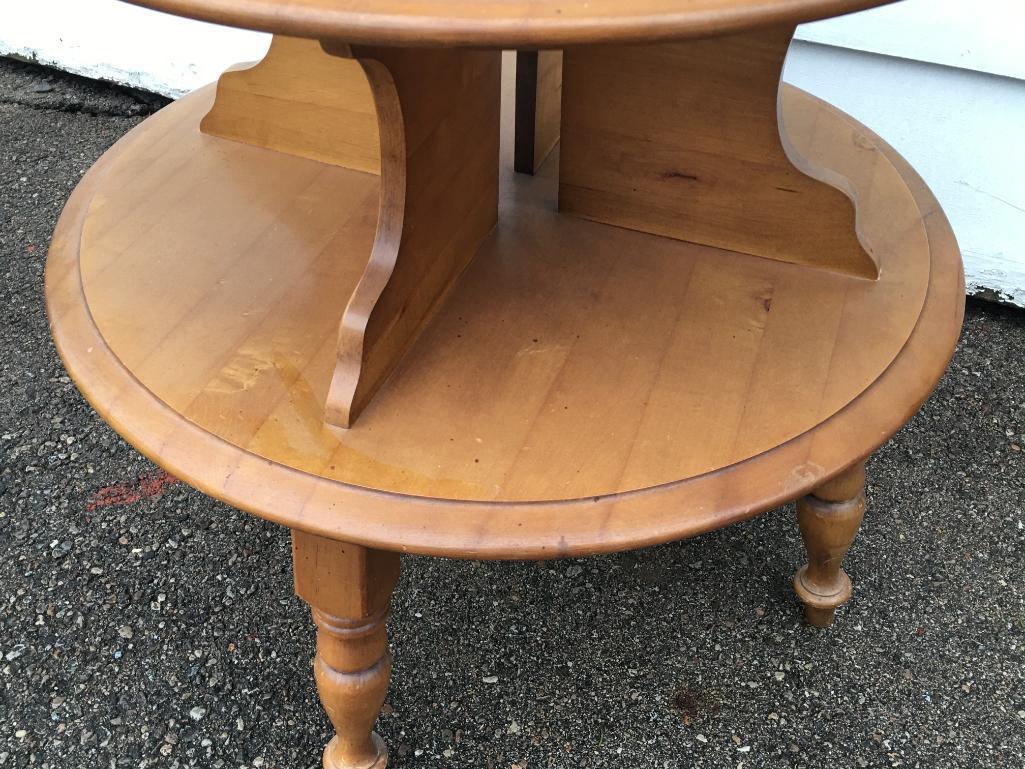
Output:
x=142 y=624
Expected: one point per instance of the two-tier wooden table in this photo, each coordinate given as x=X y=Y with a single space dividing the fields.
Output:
x=318 y=292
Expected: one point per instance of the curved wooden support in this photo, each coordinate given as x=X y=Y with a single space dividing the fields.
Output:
x=428 y=122
x=684 y=140
x=301 y=101
x=438 y=116
x=829 y=518
x=349 y=589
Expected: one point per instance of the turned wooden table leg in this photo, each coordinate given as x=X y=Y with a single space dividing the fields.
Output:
x=829 y=518
x=349 y=589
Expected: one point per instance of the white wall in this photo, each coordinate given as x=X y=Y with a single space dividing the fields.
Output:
x=944 y=82
x=941 y=80
x=963 y=131
x=984 y=35
x=111 y=40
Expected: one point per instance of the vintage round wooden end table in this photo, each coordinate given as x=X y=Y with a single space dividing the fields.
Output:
x=319 y=292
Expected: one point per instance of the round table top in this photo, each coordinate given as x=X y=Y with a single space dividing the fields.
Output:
x=575 y=393
x=505 y=23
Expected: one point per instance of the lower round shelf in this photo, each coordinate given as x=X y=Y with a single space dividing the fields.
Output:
x=583 y=388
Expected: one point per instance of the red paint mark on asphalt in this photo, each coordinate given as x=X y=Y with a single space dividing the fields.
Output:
x=148 y=485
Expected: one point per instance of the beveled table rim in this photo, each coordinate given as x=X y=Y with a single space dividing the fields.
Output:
x=505 y=529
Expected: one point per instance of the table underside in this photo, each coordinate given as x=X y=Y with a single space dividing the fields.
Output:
x=582 y=387
x=505 y=23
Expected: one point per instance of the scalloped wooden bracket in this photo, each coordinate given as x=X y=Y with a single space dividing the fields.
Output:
x=684 y=140
x=438 y=117
x=428 y=122
x=300 y=101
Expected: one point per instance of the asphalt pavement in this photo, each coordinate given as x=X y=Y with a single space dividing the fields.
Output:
x=142 y=624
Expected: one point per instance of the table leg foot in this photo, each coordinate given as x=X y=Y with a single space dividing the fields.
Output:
x=829 y=518
x=349 y=590
x=380 y=761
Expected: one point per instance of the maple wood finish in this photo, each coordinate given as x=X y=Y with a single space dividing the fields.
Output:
x=428 y=123
x=311 y=293
x=683 y=140
x=300 y=100
x=438 y=116
x=829 y=518
x=505 y=23
x=349 y=590
x=538 y=111
x=234 y=365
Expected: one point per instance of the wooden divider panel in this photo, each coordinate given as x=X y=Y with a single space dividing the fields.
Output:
x=438 y=113
x=538 y=108
x=428 y=122
x=301 y=101
x=683 y=140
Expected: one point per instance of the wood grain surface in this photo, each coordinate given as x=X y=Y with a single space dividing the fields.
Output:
x=829 y=519
x=427 y=121
x=438 y=116
x=504 y=23
x=349 y=591
x=300 y=100
x=683 y=140
x=584 y=388
x=538 y=108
